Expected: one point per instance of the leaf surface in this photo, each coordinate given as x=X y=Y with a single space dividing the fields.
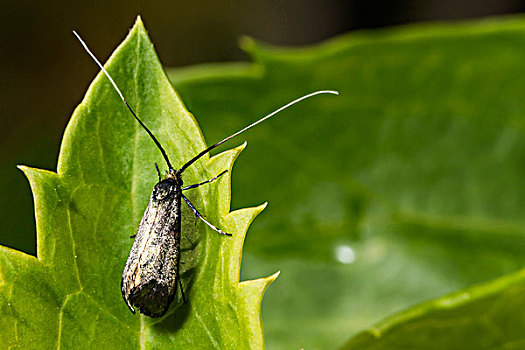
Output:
x=69 y=295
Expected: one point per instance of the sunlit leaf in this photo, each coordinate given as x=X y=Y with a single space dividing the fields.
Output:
x=69 y=296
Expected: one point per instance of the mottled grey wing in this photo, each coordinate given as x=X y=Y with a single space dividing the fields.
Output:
x=149 y=280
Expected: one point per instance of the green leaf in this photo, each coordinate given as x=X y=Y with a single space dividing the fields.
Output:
x=69 y=295
x=417 y=167
x=476 y=318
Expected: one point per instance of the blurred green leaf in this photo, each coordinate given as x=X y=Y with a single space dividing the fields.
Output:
x=408 y=186
x=489 y=316
x=69 y=296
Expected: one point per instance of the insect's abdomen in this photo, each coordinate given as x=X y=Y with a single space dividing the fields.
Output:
x=149 y=280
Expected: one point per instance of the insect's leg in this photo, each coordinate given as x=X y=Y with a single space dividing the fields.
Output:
x=181 y=290
x=205 y=182
x=158 y=171
x=200 y=217
x=133 y=236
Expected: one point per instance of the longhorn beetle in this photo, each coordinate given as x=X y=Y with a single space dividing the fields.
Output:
x=151 y=274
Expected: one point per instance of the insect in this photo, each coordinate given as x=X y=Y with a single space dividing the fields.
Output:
x=151 y=275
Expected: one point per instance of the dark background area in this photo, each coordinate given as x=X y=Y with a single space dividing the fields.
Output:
x=45 y=72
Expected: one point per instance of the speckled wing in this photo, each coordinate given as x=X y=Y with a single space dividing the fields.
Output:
x=149 y=280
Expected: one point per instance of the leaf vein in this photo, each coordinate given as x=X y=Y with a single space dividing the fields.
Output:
x=104 y=310
x=61 y=313
x=134 y=177
x=73 y=244
x=214 y=342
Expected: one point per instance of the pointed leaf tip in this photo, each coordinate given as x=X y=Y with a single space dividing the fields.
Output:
x=139 y=22
x=274 y=276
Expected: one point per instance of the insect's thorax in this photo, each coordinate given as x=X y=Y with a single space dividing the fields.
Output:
x=167 y=189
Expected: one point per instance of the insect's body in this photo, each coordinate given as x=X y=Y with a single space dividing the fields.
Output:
x=149 y=280
x=151 y=275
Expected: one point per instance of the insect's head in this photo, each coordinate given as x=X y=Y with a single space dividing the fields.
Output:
x=171 y=174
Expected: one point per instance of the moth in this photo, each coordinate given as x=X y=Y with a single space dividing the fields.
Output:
x=151 y=275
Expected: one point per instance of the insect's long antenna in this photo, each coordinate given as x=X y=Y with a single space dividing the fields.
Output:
x=191 y=161
x=125 y=102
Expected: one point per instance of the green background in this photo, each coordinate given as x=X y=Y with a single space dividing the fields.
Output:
x=417 y=167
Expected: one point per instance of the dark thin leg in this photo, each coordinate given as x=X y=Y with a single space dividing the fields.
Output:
x=132 y=236
x=182 y=291
x=205 y=182
x=158 y=172
x=200 y=217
